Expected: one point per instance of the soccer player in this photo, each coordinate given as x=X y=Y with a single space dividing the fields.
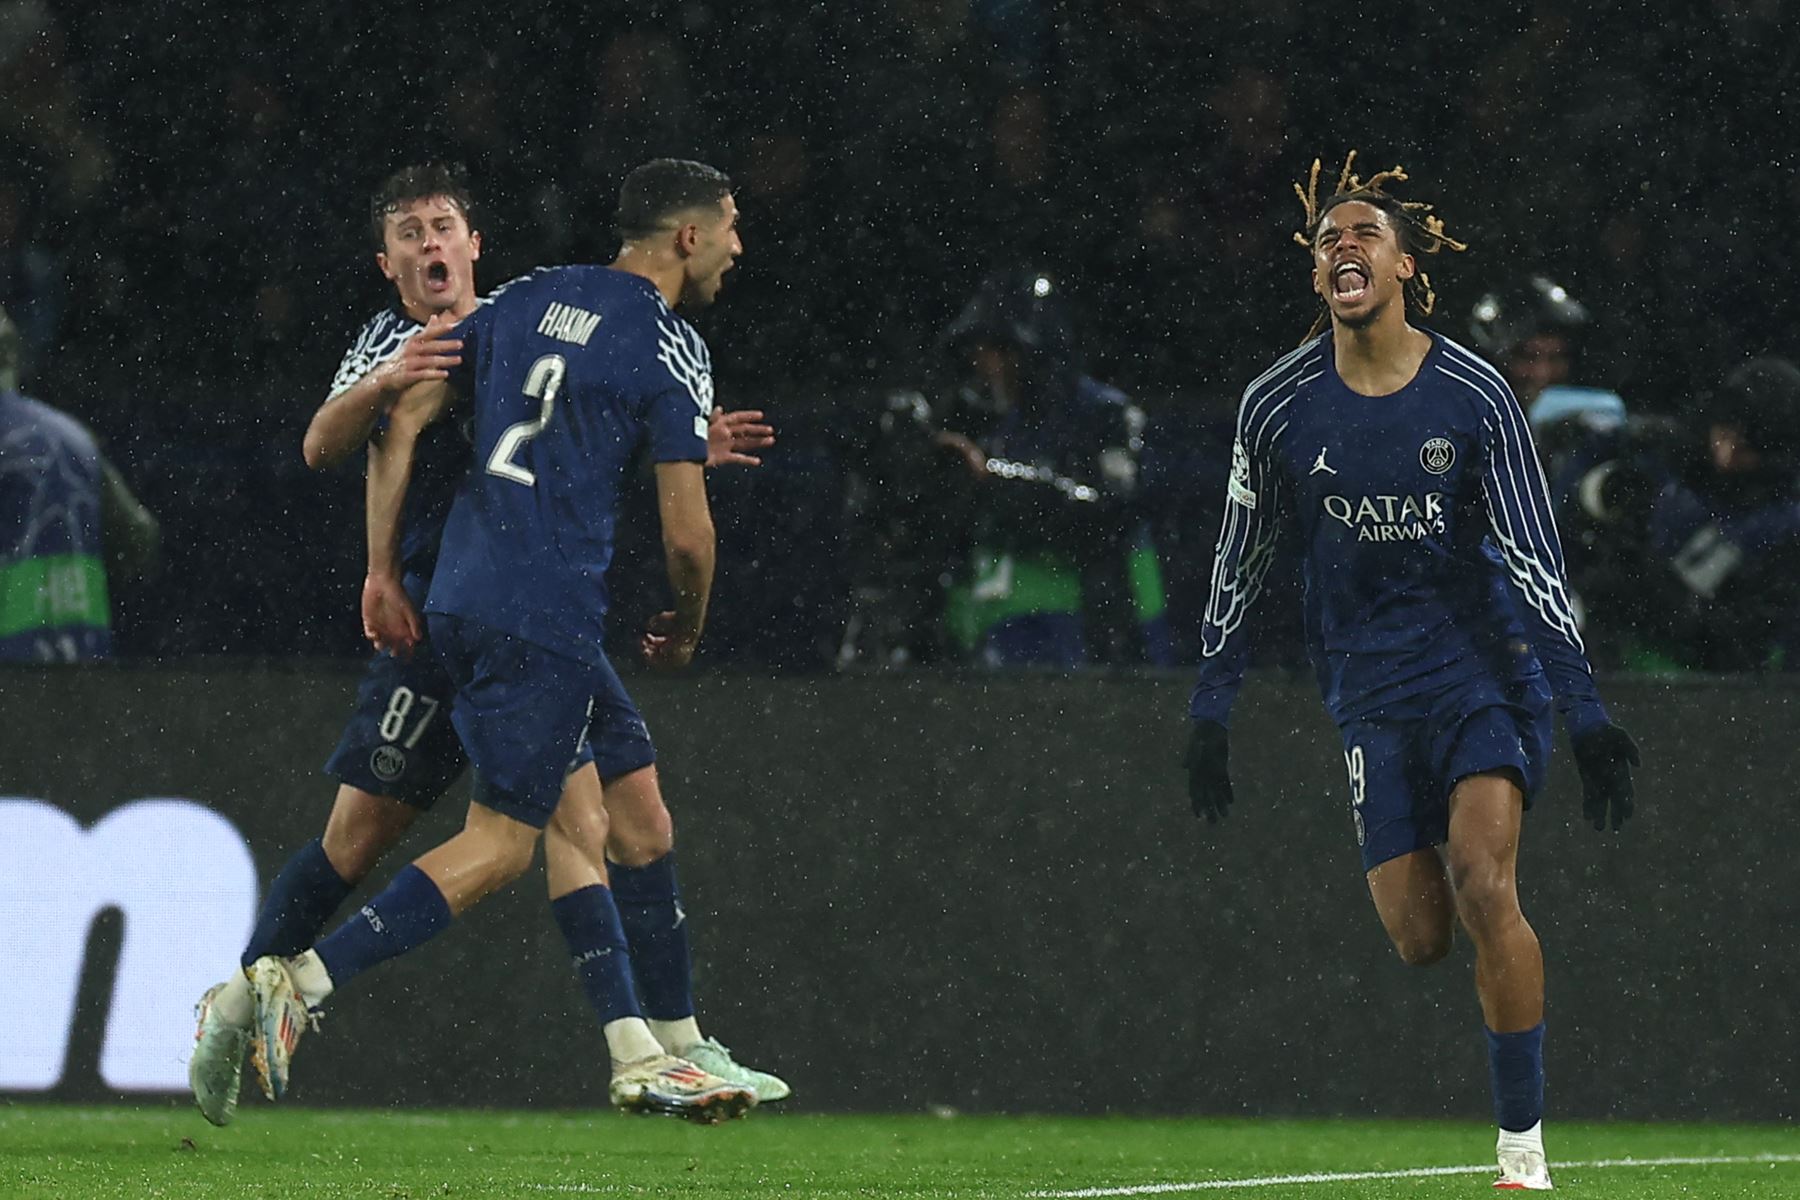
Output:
x=573 y=370
x=69 y=527
x=1437 y=616
x=395 y=758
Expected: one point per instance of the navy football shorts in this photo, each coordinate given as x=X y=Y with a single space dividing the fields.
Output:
x=525 y=713
x=399 y=741
x=1404 y=762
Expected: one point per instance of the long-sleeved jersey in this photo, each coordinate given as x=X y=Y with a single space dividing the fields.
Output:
x=1430 y=555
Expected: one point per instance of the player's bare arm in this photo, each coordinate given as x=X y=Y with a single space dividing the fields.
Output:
x=389 y=619
x=688 y=549
x=344 y=422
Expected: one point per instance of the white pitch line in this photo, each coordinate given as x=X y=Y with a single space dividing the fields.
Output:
x=1216 y=1185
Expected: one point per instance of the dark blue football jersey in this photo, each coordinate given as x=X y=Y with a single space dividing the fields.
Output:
x=569 y=372
x=1429 y=552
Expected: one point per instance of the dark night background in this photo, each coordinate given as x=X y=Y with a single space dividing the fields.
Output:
x=183 y=198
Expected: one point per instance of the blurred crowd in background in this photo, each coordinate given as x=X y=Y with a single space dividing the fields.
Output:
x=1009 y=264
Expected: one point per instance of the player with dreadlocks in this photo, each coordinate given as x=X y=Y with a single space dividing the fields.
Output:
x=1437 y=615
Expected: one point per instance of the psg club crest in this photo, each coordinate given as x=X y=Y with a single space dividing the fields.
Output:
x=1437 y=455
x=388 y=762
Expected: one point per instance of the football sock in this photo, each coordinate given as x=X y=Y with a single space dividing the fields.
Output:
x=656 y=929
x=302 y=898
x=590 y=925
x=628 y=1040
x=1530 y=1139
x=409 y=912
x=1516 y=1072
x=311 y=979
x=235 y=1003
x=677 y=1037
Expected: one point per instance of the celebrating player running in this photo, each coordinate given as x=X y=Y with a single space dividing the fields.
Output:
x=1437 y=614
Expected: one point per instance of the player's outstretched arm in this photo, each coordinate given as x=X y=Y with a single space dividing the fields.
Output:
x=731 y=437
x=344 y=422
x=688 y=549
x=1521 y=524
x=389 y=619
x=1247 y=540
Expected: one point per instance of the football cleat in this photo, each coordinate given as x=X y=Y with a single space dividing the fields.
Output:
x=674 y=1087
x=715 y=1059
x=216 y=1070
x=1523 y=1171
x=281 y=1017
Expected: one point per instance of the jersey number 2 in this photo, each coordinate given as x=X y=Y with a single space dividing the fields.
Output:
x=541 y=383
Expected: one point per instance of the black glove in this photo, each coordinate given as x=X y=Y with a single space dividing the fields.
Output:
x=1208 y=762
x=1605 y=757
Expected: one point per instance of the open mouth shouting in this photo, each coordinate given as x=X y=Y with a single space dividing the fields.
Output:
x=1349 y=281
x=437 y=277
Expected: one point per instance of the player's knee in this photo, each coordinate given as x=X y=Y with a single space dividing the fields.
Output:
x=1423 y=947
x=584 y=828
x=1485 y=893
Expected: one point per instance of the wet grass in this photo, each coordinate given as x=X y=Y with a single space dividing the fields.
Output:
x=158 y=1150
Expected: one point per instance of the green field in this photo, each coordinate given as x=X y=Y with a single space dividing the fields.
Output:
x=164 y=1151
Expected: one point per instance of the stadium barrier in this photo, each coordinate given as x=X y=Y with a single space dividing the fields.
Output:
x=983 y=893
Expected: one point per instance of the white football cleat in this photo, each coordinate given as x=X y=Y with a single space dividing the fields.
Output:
x=715 y=1059
x=216 y=1070
x=281 y=1017
x=1523 y=1171
x=674 y=1087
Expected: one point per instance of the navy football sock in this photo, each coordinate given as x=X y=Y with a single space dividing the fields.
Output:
x=656 y=927
x=409 y=912
x=302 y=898
x=590 y=925
x=1516 y=1071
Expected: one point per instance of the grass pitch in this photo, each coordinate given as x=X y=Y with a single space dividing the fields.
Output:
x=163 y=1151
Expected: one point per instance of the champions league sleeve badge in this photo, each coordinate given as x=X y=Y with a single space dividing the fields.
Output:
x=1238 y=488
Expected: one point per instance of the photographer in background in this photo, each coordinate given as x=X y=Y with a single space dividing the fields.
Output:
x=1023 y=484
x=1532 y=329
x=1684 y=539
x=1604 y=466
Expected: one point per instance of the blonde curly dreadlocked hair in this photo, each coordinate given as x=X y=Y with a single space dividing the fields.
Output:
x=1420 y=230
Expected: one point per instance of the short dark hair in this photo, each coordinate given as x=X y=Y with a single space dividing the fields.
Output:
x=664 y=187
x=421 y=181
